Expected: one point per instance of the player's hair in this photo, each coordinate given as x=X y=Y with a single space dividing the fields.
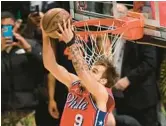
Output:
x=110 y=73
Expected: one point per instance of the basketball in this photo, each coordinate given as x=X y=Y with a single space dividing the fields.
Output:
x=51 y=19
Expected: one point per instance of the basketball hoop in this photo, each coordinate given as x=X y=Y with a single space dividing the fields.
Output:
x=131 y=26
x=104 y=35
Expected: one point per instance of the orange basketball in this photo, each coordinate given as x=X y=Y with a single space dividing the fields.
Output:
x=52 y=17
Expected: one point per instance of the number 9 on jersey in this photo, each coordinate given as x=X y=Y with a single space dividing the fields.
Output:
x=78 y=120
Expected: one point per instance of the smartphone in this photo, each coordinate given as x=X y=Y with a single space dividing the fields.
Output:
x=7 y=31
x=35 y=10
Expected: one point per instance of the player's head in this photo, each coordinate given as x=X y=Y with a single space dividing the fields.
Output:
x=7 y=18
x=104 y=72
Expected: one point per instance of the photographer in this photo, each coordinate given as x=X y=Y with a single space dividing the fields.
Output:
x=21 y=66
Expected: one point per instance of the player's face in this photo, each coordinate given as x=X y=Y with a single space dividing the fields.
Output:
x=97 y=72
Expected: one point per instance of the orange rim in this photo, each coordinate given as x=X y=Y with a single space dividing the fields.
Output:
x=131 y=26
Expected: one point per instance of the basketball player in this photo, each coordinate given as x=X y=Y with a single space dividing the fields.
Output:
x=90 y=101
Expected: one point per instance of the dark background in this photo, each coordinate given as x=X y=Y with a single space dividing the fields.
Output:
x=24 y=7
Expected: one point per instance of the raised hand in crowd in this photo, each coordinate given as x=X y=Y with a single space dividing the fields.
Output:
x=22 y=42
x=17 y=25
x=5 y=43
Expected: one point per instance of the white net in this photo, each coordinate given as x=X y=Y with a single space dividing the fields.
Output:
x=98 y=46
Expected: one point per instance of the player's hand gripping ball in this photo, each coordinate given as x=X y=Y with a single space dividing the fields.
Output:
x=51 y=19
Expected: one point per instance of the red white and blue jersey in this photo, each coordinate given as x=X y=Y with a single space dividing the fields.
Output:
x=80 y=110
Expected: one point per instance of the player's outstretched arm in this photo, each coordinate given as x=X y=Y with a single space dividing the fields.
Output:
x=80 y=64
x=49 y=60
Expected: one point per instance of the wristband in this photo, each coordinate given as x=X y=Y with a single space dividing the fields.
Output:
x=71 y=42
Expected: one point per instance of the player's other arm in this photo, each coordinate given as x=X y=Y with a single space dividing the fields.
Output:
x=51 y=86
x=49 y=60
x=81 y=67
x=52 y=105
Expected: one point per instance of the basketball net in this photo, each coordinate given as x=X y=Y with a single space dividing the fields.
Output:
x=105 y=40
x=96 y=46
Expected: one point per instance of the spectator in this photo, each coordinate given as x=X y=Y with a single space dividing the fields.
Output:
x=19 y=78
x=138 y=83
x=32 y=28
